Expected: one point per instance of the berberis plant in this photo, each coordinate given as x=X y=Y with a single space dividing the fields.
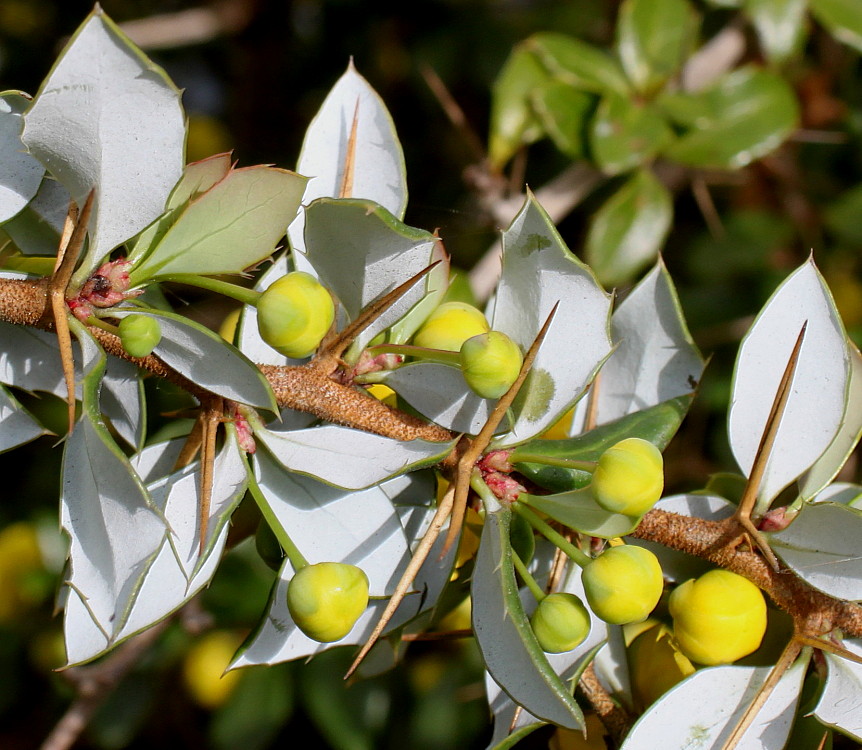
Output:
x=369 y=553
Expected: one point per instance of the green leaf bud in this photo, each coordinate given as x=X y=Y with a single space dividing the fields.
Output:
x=561 y=622
x=623 y=584
x=718 y=618
x=294 y=314
x=490 y=363
x=140 y=334
x=629 y=478
x=450 y=325
x=325 y=600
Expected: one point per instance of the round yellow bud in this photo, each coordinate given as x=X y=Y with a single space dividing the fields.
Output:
x=326 y=600
x=718 y=618
x=656 y=664
x=561 y=622
x=204 y=668
x=623 y=584
x=629 y=478
x=294 y=314
x=450 y=325
x=140 y=334
x=490 y=363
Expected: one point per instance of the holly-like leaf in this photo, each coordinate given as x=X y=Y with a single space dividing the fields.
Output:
x=625 y=134
x=629 y=229
x=815 y=409
x=658 y=424
x=578 y=64
x=509 y=648
x=115 y=531
x=233 y=225
x=360 y=250
x=29 y=359
x=780 y=25
x=36 y=229
x=360 y=528
x=207 y=360
x=829 y=464
x=123 y=401
x=708 y=704
x=653 y=38
x=821 y=546
x=21 y=174
x=843 y=18
x=17 y=425
x=745 y=115
x=108 y=119
x=341 y=163
x=840 y=706
x=656 y=359
x=440 y=393
x=349 y=458
x=538 y=273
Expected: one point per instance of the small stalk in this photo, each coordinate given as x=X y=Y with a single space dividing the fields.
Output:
x=525 y=457
x=92 y=320
x=528 y=579
x=297 y=559
x=557 y=539
x=440 y=356
x=226 y=288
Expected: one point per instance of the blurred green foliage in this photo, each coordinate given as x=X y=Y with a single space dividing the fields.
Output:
x=737 y=228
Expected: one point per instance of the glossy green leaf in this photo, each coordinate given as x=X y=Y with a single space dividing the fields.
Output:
x=629 y=229
x=21 y=174
x=513 y=122
x=233 y=225
x=578 y=63
x=108 y=118
x=579 y=511
x=745 y=115
x=821 y=546
x=780 y=25
x=206 y=359
x=626 y=133
x=564 y=112
x=815 y=408
x=842 y=17
x=653 y=38
x=658 y=424
x=510 y=650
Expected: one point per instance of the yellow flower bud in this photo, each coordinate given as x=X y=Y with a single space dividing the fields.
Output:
x=326 y=600
x=490 y=363
x=718 y=618
x=656 y=664
x=140 y=334
x=450 y=325
x=629 y=478
x=294 y=314
x=204 y=668
x=623 y=584
x=561 y=622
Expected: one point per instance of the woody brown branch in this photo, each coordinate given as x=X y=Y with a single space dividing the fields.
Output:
x=306 y=388
x=814 y=613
